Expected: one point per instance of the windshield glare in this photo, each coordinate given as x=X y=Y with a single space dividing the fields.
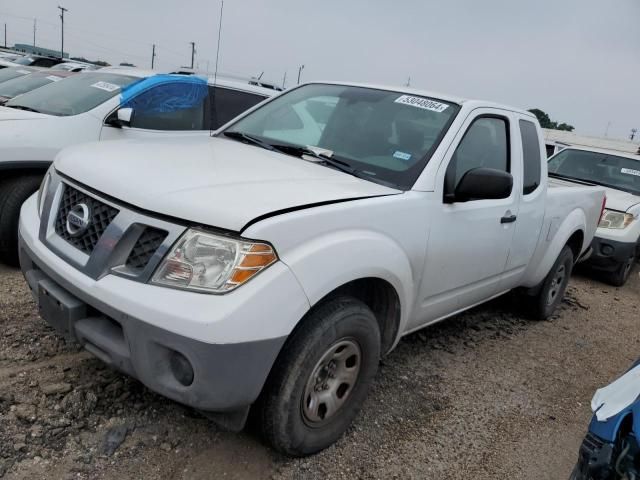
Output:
x=609 y=170
x=13 y=72
x=73 y=95
x=12 y=88
x=388 y=137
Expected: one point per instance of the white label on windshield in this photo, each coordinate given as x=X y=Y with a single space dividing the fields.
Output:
x=106 y=86
x=53 y=78
x=630 y=171
x=423 y=103
x=24 y=72
x=402 y=155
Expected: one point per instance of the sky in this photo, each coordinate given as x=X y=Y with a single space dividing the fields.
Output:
x=578 y=60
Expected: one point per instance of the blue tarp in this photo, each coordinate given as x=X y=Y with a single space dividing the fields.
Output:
x=178 y=92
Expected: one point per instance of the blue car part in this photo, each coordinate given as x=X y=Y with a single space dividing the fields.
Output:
x=610 y=449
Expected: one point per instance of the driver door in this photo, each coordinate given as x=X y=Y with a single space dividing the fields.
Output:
x=469 y=241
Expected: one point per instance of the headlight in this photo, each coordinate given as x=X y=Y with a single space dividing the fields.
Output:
x=615 y=219
x=212 y=263
x=42 y=192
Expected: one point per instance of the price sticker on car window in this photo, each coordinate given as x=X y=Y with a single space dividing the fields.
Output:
x=631 y=171
x=424 y=103
x=24 y=72
x=106 y=86
x=53 y=78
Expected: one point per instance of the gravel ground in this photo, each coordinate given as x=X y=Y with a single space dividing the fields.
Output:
x=485 y=395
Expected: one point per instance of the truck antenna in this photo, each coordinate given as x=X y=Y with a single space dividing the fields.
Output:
x=215 y=71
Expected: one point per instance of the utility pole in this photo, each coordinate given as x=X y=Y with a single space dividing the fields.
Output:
x=300 y=73
x=5 y=35
x=408 y=84
x=62 y=10
x=633 y=134
x=34 y=33
x=284 y=79
x=606 y=131
x=153 y=55
x=193 y=52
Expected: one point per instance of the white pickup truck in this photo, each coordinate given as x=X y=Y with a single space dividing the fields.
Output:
x=616 y=246
x=273 y=264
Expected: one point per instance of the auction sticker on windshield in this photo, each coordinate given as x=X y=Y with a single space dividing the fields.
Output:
x=106 y=86
x=53 y=78
x=423 y=103
x=631 y=171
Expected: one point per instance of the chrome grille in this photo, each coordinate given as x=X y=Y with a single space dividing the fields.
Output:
x=101 y=215
x=145 y=247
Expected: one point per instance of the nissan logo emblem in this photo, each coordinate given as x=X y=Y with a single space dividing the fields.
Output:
x=78 y=219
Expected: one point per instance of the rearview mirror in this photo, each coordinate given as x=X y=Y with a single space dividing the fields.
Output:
x=483 y=184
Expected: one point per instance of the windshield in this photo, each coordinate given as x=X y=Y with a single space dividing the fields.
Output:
x=17 y=86
x=24 y=60
x=74 y=95
x=387 y=137
x=13 y=72
x=604 y=169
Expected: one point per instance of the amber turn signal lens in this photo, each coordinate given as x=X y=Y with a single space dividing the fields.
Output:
x=261 y=260
x=241 y=276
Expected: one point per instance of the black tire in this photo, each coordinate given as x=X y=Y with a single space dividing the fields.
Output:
x=552 y=290
x=283 y=413
x=13 y=193
x=620 y=275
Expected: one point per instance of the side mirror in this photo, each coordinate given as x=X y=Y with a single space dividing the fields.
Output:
x=483 y=184
x=122 y=118
x=125 y=115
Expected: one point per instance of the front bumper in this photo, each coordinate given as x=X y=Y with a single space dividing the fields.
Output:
x=608 y=255
x=227 y=343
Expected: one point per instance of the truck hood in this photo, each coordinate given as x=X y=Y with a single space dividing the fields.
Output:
x=7 y=113
x=616 y=199
x=212 y=181
x=619 y=200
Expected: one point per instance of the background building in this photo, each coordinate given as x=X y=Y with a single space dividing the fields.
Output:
x=46 y=52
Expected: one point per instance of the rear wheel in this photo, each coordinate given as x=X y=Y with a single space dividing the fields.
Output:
x=13 y=193
x=554 y=286
x=321 y=377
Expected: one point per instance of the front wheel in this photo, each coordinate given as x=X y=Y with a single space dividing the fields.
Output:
x=13 y=193
x=321 y=377
x=551 y=293
x=619 y=277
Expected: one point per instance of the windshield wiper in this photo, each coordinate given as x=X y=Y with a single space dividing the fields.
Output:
x=244 y=137
x=322 y=156
x=22 y=107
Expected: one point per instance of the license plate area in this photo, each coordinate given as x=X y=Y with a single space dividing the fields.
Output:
x=59 y=308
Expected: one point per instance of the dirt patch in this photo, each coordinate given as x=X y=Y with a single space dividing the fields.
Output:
x=487 y=394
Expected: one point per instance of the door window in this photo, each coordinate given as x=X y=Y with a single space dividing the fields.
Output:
x=485 y=144
x=530 y=156
x=170 y=106
x=227 y=104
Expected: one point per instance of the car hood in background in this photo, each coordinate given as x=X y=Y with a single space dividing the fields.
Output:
x=211 y=181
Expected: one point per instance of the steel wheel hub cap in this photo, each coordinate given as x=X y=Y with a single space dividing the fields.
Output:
x=556 y=284
x=331 y=382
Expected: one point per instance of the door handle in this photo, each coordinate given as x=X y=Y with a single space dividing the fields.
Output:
x=508 y=219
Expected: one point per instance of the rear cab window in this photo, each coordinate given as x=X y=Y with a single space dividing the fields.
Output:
x=530 y=156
